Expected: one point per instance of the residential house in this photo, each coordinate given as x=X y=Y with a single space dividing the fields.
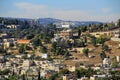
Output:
x=65 y=26
x=116 y=36
x=8 y=64
x=49 y=74
x=106 y=62
x=45 y=56
x=69 y=77
x=106 y=65
x=118 y=58
x=83 y=78
x=72 y=65
x=13 y=26
x=97 y=77
x=7 y=42
x=3 y=34
x=66 y=33
x=57 y=38
x=23 y=41
x=27 y=63
x=98 y=34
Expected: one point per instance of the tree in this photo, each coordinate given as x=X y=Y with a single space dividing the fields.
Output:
x=93 y=40
x=43 y=49
x=53 y=77
x=54 y=46
x=69 y=44
x=77 y=72
x=23 y=77
x=64 y=71
x=30 y=36
x=115 y=75
x=59 y=49
x=105 y=47
x=79 y=33
x=85 y=39
x=39 y=78
x=13 y=73
x=85 y=51
x=83 y=28
x=28 y=48
x=66 y=53
x=118 y=24
x=52 y=34
x=79 y=43
x=80 y=72
x=5 y=72
x=102 y=55
x=22 y=48
x=84 y=72
x=114 y=64
x=13 y=77
x=90 y=72
x=37 y=42
x=101 y=39
x=2 y=50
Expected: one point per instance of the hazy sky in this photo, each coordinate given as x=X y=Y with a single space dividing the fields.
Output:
x=82 y=10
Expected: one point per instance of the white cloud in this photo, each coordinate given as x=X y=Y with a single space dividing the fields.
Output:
x=31 y=10
x=106 y=10
x=29 y=6
x=37 y=11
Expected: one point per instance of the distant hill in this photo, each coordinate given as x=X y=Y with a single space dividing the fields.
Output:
x=46 y=21
x=87 y=22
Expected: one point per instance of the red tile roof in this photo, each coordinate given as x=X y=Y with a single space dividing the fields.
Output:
x=23 y=41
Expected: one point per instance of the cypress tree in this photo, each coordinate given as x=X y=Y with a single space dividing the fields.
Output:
x=39 y=78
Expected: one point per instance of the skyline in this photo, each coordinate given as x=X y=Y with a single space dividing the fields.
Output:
x=79 y=10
